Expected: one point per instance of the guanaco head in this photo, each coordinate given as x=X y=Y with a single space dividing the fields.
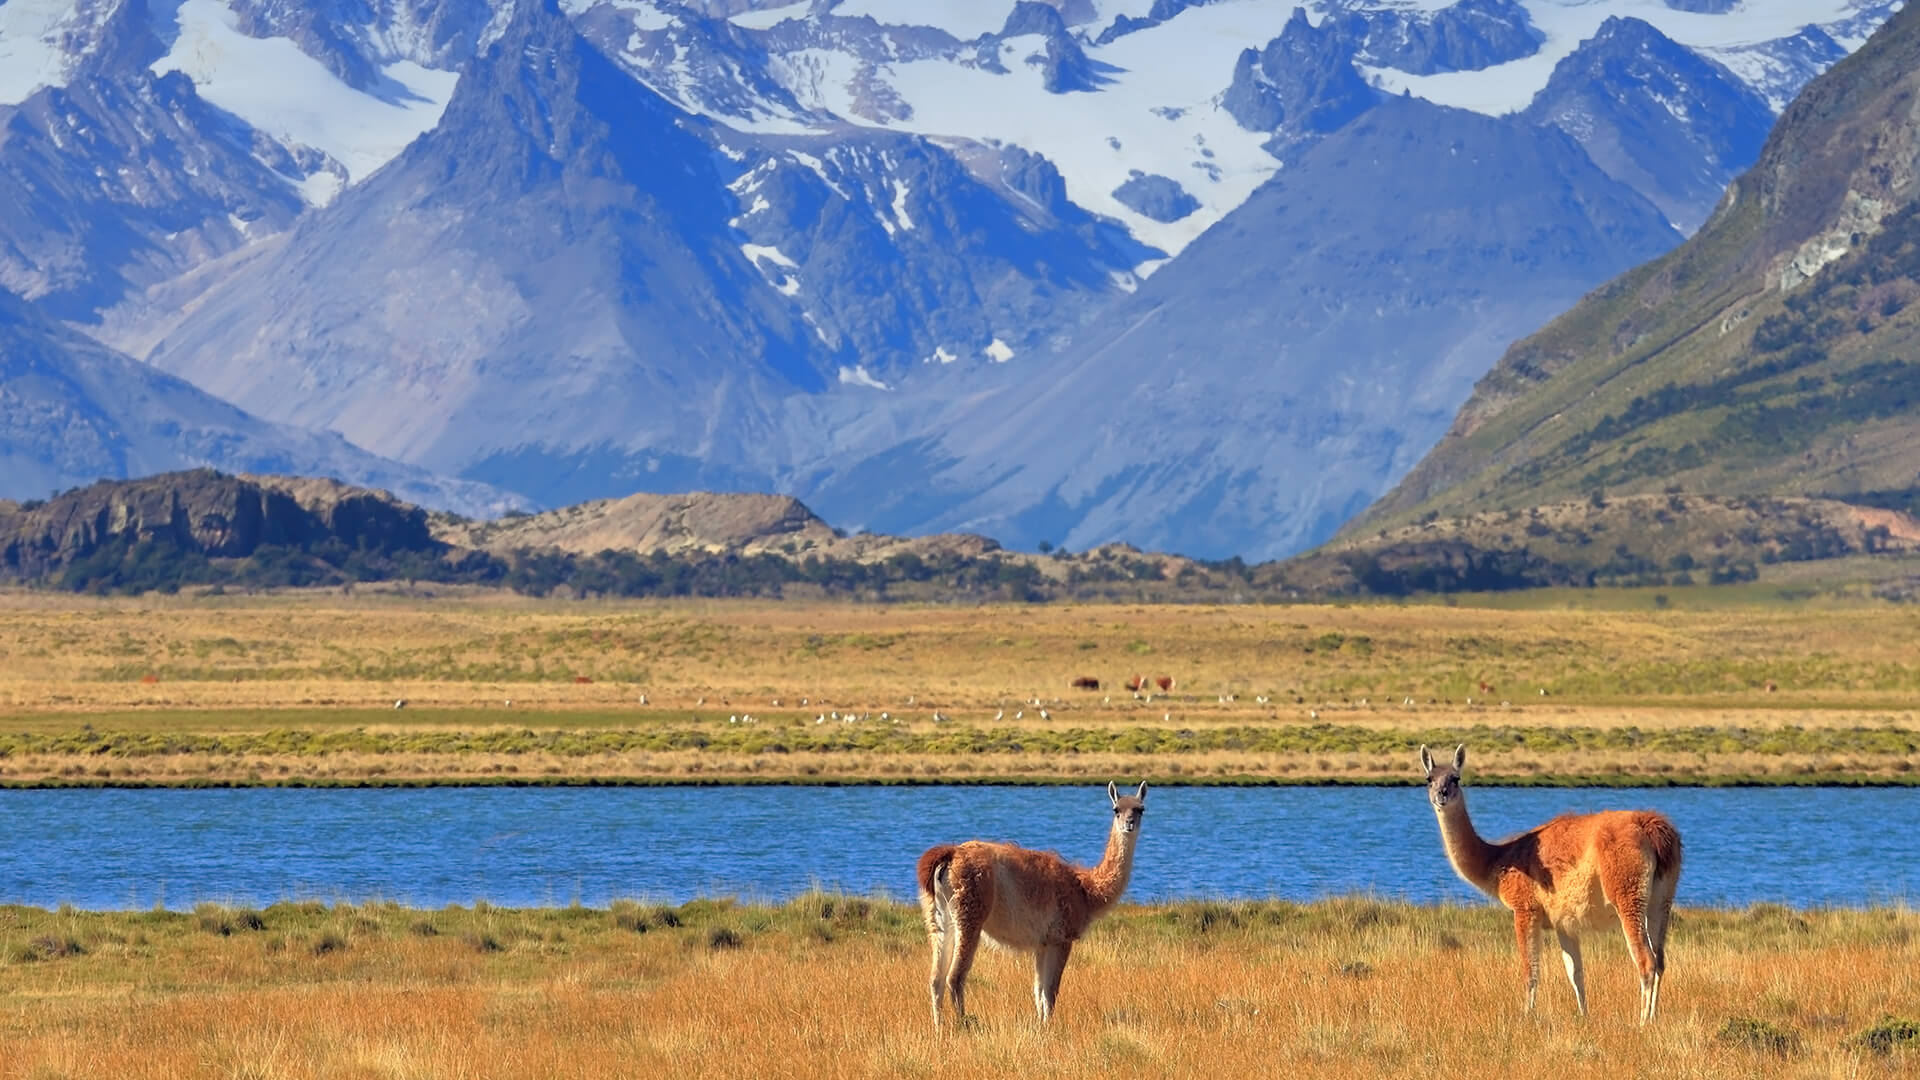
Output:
x=1127 y=809
x=1443 y=781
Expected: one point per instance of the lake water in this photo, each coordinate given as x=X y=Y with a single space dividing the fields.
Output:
x=124 y=849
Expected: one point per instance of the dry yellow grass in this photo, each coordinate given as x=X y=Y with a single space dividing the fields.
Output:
x=322 y=661
x=832 y=987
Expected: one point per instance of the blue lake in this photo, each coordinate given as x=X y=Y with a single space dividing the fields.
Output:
x=123 y=849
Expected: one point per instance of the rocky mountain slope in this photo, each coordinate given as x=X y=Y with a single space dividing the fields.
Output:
x=73 y=411
x=1247 y=400
x=1771 y=354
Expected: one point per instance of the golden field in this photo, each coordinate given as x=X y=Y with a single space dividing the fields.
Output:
x=831 y=986
x=300 y=688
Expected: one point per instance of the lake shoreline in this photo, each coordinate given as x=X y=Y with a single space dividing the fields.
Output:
x=1492 y=781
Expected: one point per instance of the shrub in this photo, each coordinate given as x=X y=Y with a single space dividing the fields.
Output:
x=1891 y=1032
x=1752 y=1033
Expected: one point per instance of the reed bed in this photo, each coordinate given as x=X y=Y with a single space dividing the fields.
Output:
x=835 y=986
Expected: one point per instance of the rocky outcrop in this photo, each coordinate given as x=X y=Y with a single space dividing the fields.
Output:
x=1468 y=36
x=1158 y=197
x=206 y=513
x=1305 y=77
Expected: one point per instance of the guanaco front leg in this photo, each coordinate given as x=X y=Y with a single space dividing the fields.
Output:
x=1526 y=930
x=1048 y=965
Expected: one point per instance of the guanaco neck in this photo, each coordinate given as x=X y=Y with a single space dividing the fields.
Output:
x=1475 y=860
x=1104 y=883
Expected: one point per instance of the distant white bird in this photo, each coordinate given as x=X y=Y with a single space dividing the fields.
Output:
x=1167 y=716
x=509 y=703
x=776 y=703
x=803 y=703
x=643 y=699
x=1000 y=715
x=937 y=718
x=1543 y=691
x=400 y=704
x=1313 y=713
x=700 y=701
x=1020 y=714
x=1106 y=701
x=820 y=719
x=733 y=719
x=909 y=699
x=836 y=714
x=884 y=716
x=1044 y=716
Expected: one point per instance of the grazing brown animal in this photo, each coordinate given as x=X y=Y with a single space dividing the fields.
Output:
x=1086 y=682
x=1021 y=899
x=1565 y=874
x=1165 y=683
x=1134 y=684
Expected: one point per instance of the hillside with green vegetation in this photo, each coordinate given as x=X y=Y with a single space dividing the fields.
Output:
x=1635 y=540
x=1777 y=353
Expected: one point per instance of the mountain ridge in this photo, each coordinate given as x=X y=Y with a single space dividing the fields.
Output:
x=1785 y=300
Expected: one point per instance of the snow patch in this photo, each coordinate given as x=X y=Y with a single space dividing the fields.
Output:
x=964 y=19
x=858 y=375
x=30 y=52
x=820 y=169
x=277 y=89
x=757 y=252
x=769 y=18
x=320 y=188
x=999 y=351
x=900 y=190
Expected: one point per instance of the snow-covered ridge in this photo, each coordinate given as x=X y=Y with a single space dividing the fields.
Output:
x=1157 y=109
x=935 y=68
x=281 y=91
x=1510 y=87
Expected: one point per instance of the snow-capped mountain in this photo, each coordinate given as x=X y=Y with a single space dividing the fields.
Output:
x=843 y=248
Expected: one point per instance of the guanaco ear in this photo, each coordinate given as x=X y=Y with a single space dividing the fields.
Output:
x=1142 y=793
x=1113 y=794
x=1426 y=758
x=1459 y=757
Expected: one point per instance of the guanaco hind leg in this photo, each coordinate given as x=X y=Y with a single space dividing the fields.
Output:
x=940 y=937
